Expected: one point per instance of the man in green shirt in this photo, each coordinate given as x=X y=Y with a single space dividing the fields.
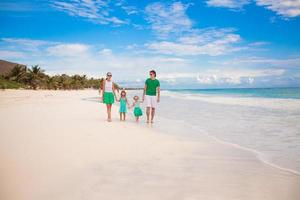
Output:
x=151 y=95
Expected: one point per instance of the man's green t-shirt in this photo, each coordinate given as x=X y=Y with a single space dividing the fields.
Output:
x=151 y=86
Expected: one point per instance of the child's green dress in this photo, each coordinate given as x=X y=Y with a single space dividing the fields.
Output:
x=123 y=108
x=137 y=110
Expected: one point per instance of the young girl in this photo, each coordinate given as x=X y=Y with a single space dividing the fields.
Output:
x=137 y=110
x=123 y=105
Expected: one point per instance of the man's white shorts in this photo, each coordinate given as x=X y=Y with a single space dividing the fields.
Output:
x=151 y=101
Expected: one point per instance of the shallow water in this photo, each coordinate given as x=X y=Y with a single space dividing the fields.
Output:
x=268 y=127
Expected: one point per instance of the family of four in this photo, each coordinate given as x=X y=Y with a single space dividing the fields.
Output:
x=151 y=96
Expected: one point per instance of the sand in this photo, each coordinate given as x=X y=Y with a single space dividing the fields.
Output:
x=57 y=145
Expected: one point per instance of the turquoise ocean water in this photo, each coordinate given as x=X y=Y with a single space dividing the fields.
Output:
x=284 y=93
x=265 y=121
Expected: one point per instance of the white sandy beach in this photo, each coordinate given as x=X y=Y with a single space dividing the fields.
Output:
x=56 y=145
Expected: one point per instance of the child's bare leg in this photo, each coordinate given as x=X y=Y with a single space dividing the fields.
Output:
x=120 y=116
x=124 y=118
x=148 y=114
x=152 y=114
x=137 y=119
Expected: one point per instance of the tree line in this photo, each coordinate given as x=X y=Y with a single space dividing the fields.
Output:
x=36 y=78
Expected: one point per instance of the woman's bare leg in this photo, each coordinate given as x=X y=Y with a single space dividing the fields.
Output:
x=109 y=112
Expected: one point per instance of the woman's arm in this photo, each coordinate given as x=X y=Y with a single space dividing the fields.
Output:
x=113 y=88
x=103 y=90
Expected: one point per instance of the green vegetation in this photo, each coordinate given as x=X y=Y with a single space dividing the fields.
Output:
x=5 y=84
x=35 y=78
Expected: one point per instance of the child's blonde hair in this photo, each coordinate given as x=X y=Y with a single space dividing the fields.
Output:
x=136 y=97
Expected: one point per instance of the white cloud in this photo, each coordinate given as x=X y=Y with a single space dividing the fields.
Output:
x=204 y=36
x=97 y=11
x=236 y=76
x=286 y=8
x=221 y=76
x=77 y=58
x=130 y=10
x=211 y=42
x=166 y=19
x=68 y=50
x=176 y=35
x=4 y=54
x=25 y=44
x=261 y=61
x=105 y=52
x=258 y=44
x=131 y=46
x=233 y=4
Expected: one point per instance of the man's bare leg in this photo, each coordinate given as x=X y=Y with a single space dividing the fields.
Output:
x=148 y=114
x=152 y=114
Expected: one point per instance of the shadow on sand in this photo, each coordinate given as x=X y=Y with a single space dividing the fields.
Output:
x=93 y=99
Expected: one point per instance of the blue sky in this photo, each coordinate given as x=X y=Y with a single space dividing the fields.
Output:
x=194 y=44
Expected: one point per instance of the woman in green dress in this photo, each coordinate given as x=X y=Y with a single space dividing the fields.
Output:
x=108 y=94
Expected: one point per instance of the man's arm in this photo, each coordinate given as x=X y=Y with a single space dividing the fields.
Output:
x=144 y=92
x=158 y=94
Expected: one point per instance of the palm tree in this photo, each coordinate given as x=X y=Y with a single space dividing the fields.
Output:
x=18 y=74
x=36 y=77
x=65 y=82
x=54 y=82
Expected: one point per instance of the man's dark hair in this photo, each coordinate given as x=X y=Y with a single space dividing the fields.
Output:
x=154 y=72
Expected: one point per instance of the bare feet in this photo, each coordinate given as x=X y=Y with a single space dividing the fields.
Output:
x=109 y=120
